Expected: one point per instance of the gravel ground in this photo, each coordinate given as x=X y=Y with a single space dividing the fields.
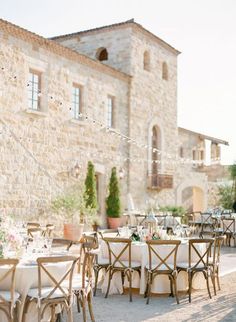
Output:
x=222 y=307
x=117 y=308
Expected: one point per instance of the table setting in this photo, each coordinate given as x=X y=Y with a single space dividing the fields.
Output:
x=14 y=243
x=139 y=235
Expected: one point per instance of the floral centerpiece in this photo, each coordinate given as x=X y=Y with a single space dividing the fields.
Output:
x=10 y=238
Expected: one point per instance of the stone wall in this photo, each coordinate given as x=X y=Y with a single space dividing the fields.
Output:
x=39 y=149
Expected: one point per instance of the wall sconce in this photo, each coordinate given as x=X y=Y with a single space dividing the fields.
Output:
x=76 y=170
x=121 y=173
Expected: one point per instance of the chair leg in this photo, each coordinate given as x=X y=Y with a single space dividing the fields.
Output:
x=171 y=287
x=189 y=286
x=26 y=306
x=90 y=306
x=149 y=282
x=217 y=277
x=83 y=302
x=130 y=286
x=207 y=282
x=77 y=302
x=213 y=279
x=175 y=289
x=96 y=272
x=70 y=314
x=122 y=279
x=109 y=282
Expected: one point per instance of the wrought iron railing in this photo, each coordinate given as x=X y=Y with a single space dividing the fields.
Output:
x=159 y=181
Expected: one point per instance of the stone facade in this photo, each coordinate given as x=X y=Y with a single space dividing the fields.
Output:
x=40 y=148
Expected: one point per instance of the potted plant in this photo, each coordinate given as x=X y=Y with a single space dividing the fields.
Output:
x=90 y=195
x=70 y=206
x=113 y=207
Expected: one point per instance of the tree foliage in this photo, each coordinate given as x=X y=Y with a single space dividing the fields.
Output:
x=225 y=196
x=113 y=199
x=90 y=194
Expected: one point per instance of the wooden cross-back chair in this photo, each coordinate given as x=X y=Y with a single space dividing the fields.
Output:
x=121 y=261
x=32 y=232
x=9 y=297
x=61 y=243
x=229 y=229
x=91 y=242
x=161 y=220
x=104 y=232
x=82 y=283
x=56 y=294
x=214 y=261
x=159 y=264
x=207 y=224
x=48 y=231
x=32 y=225
x=197 y=261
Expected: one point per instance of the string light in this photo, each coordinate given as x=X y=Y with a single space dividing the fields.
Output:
x=129 y=140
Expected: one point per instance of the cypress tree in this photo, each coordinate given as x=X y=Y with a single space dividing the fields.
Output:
x=113 y=199
x=90 y=194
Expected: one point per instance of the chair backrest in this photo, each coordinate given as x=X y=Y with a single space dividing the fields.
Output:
x=32 y=232
x=228 y=225
x=87 y=271
x=217 y=248
x=206 y=218
x=199 y=253
x=62 y=243
x=10 y=264
x=119 y=251
x=105 y=232
x=162 y=254
x=49 y=230
x=161 y=220
x=44 y=268
x=91 y=238
x=33 y=225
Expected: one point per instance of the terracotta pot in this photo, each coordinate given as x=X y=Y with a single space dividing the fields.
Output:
x=95 y=227
x=113 y=223
x=73 y=232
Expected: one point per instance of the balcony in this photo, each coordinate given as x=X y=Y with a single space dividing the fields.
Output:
x=159 y=181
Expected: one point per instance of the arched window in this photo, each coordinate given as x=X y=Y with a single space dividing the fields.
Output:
x=102 y=54
x=146 y=61
x=164 y=71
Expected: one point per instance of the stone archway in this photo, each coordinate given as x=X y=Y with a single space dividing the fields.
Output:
x=192 y=190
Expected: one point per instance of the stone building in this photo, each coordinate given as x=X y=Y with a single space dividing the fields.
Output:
x=108 y=95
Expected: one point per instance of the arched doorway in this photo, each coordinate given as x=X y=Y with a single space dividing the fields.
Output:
x=192 y=195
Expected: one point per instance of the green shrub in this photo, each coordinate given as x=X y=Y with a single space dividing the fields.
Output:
x=113 y=208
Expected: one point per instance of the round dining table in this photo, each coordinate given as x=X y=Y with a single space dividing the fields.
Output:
x=161 y=284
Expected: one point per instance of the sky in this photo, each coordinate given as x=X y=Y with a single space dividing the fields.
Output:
x=203 y=30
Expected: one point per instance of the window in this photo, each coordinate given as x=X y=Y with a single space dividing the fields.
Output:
x=110 y=112
x=194 y=154
x=201 y=154
x=76 y=101
x=146 y=61
x=34 y=90
x=181 y=152
x=164 y=71
x=102 y=54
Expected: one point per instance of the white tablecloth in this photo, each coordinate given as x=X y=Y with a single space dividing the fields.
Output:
x=27 y=277
x=161 y=283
